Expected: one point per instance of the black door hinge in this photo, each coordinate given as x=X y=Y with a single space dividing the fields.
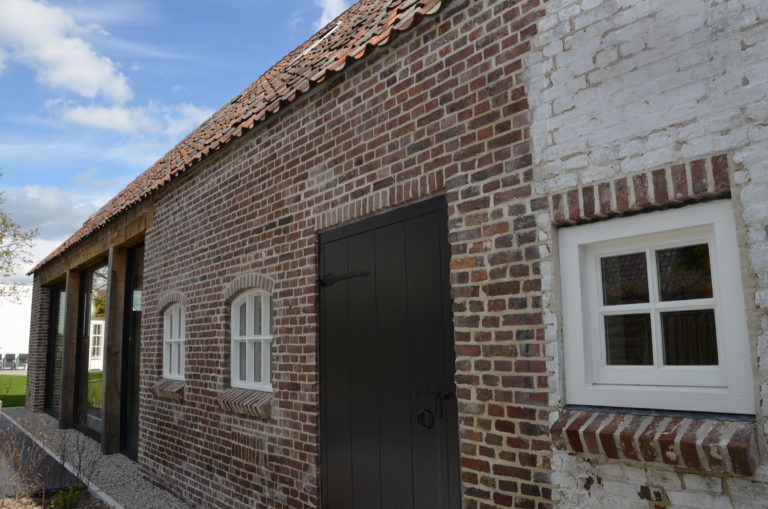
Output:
x=332 y=278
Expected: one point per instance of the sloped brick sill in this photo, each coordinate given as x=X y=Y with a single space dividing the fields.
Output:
x=709 y=445
x=169 y=389
x=248 y=402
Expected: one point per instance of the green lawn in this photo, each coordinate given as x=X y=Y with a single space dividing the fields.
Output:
x=13 y=390
x=95 y=388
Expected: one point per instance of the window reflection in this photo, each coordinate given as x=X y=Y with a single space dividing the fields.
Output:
x=684 y=273
x=625 y=279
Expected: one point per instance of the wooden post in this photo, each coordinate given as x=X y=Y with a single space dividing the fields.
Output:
x=110 y=438
x=69 y=354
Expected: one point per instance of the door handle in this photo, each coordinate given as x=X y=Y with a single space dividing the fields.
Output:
x=425 y=419
x=440 y=396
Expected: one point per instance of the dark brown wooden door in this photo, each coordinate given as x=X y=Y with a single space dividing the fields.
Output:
x=389 y=430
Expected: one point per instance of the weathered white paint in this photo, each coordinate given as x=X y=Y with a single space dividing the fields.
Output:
x=622 y=86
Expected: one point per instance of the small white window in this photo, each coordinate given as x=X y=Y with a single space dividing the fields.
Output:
x=97 y=338
x=173 y=342
x=653 y=312
x=252 y=341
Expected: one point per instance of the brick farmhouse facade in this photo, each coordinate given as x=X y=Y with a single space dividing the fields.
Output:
x=529 y=118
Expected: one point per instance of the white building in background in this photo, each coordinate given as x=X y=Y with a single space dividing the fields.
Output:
x=96 y=344
x=14 y=322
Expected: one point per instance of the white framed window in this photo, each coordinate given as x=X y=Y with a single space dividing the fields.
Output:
x=252 y=341
x=97 y=338
x=174 y=329
x=653 y=312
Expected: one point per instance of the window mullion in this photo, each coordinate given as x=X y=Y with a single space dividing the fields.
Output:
x=653 y=292
x=624 y=309
x=685 y=305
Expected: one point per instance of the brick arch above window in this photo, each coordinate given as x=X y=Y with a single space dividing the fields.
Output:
x=250 y=281
x=172 y=297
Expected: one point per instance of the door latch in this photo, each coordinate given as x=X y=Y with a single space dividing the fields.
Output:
x=424 y=416
x=332 y=278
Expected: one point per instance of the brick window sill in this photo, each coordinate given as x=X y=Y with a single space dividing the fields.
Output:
x=169 y=389
x=248 y=402
x=709 y=445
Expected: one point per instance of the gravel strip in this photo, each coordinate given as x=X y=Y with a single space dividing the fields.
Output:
x=113 y=478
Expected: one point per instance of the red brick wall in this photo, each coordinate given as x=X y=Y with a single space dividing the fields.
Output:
x=441 y=109
x=38 y=338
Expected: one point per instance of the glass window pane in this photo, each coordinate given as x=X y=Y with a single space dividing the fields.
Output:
x=257 y=361
x=628 y=340
x=684 y=273
x=62 y=313
x=689 y=338
x=625 y=279
x=257 y=315
x=174 y=359
x=170 y=325
x=242 y=359
x=167 y=357
x=243 y=317
x=178 y=325
x=99 y=284
x=178 y=359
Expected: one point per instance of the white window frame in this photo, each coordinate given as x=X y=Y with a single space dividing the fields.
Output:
x=97 y=338
x=174 y=340
x=727 y=387
x=251 y=338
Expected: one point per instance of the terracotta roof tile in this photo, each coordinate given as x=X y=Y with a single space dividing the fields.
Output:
x=367 y=24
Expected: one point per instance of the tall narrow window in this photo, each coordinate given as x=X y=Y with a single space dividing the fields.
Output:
x=173 y=342
x=97 y=338
x=89 y=377
x=252 y=341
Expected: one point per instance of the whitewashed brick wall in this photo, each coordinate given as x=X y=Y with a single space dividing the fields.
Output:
x=622 y=86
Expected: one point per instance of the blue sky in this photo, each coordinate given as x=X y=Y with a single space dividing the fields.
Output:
x=92 y=92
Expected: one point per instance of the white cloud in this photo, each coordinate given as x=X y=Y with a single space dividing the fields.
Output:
x=105 y=12
x=55 y=213
x=113 y=118
x=50 y=41
x=331 y=9
x=41 y=248
x=295 y=19
x=75 y=150
x=85 y=176
x=153 y=119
